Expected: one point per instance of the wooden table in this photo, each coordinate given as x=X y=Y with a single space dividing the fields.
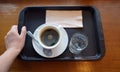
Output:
x=110 y=15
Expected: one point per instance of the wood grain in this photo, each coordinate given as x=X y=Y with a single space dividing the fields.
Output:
x=110 y=15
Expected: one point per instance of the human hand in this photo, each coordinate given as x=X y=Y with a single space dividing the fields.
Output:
x=15 y=41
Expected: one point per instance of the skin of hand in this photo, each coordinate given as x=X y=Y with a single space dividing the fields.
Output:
x=14 y=44
x=15 y=41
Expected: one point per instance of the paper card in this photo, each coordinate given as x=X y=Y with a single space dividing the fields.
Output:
x=66 y=18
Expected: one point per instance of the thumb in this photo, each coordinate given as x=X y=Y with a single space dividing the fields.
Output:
x=23 y=32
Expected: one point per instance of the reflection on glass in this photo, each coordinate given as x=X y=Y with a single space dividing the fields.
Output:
x=78 y=43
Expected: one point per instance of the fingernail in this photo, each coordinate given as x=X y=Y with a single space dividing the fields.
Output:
x=24 y=27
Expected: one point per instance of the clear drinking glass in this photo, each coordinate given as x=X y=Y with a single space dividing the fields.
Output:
x=78 y=43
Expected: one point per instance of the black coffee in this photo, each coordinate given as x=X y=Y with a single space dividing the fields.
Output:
x=49 y=37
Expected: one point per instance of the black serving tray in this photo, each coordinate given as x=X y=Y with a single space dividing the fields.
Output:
x=32 y=17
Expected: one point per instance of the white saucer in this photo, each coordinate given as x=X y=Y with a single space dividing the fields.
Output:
x=55 y=51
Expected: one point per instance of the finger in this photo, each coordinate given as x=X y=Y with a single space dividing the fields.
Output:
x=23 y=32
x=13 y=29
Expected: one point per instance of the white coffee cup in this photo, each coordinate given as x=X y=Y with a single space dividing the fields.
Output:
x=49 y=35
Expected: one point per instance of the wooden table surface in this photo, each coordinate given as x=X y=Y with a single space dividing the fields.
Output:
x=110 y=15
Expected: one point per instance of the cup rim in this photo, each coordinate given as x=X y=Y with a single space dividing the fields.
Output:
x=51 y=26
